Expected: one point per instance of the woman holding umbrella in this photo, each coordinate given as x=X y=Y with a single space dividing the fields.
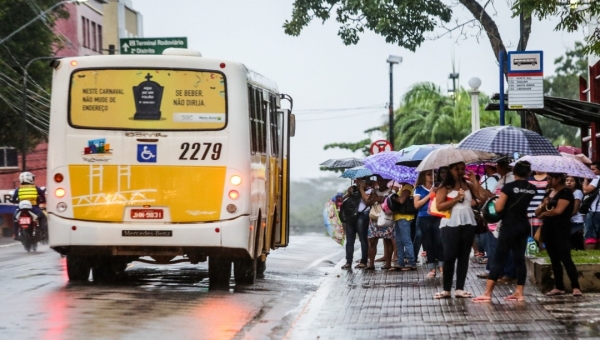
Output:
x=458 y=231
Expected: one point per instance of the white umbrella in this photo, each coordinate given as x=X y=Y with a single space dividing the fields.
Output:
x=558 y=164
x=450 y=155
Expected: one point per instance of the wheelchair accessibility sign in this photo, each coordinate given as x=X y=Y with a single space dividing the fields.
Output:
x=146 y=153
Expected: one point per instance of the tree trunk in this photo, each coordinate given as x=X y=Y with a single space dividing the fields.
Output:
x=491 y=29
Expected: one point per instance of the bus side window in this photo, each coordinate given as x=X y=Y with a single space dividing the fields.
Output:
x=253 y=120
x=274 y=122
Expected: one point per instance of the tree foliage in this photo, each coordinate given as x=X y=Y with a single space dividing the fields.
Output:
x=573 y=14
x=34 y=41
x=401 y=22
x=428 y=116
x=308 y=199
x=406 y=23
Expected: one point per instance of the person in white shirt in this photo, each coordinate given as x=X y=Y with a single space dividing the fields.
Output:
x=490 y=180
x=576 y=240
x=591 y=231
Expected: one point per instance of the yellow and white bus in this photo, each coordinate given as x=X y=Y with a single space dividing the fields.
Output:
x=175 y=157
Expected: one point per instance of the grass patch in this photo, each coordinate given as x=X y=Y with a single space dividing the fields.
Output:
x=578 y=256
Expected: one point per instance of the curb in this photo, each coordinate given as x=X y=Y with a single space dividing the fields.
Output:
x=9 y=245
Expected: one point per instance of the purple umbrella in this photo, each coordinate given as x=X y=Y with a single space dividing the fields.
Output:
x=384 y=164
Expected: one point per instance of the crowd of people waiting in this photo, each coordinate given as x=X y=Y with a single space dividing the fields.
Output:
x=444 y=224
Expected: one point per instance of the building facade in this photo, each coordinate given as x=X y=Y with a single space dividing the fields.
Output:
x=121 y=21
x=83 y=32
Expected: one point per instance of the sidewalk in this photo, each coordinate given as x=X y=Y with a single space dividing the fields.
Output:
x=379 y=304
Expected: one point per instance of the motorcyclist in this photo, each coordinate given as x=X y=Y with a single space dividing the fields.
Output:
x=30 y=192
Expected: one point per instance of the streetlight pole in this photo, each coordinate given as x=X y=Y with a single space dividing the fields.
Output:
x=392 y=59
x=474 y=83
x=24 y=142
x=37 y=18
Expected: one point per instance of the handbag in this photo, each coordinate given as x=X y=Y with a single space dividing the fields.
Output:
x=432 y=209
x=375 y=211
x=385 y=220
x=481 y=226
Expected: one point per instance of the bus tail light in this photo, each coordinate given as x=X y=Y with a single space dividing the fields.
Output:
x=234 y=195
x=60 y=192
x=58 y=178
x=73 y=63
x=231 y=208
x=235 y=180
x=61 y=207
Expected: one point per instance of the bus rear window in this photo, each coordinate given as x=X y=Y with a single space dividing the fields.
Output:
x=147 y=99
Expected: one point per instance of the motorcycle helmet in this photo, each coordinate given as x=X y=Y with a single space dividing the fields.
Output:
x=25 y=205
x=26 y=178
x=488 y=211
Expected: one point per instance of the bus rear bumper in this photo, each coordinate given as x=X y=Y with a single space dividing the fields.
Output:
x=145 y=239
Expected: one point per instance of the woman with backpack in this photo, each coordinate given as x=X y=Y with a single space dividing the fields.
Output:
x=354 y=212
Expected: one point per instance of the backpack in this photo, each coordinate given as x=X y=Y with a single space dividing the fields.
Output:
x=349 y=209
x=587 y=201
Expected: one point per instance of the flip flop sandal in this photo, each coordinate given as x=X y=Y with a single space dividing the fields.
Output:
x=442 y=295
x=369 y=268
x=347 y=266
x=431 y=274
x=514 y=298
x=386 y=267
x=405 y=269
x=462 y=294
x=577 y=294
x=554 y=292
x=394 y=269
x=482 y=299
x=360 y=265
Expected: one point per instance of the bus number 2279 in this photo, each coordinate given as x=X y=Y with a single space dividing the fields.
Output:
x=194 y=148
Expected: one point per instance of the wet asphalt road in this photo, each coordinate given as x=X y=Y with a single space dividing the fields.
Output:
x=158 y=302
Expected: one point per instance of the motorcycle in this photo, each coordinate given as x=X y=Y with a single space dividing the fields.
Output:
x=29 y=229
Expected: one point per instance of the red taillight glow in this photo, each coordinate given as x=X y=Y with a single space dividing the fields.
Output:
x=60 y=192
x=222 y=65
x=235 y=180
x=73 y=62
x=234 y=195
x=58 y=178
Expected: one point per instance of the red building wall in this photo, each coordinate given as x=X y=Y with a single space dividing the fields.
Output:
x=36 y=164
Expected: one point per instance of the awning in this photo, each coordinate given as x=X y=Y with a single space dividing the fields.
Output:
x=567 y=111
x=8 y=208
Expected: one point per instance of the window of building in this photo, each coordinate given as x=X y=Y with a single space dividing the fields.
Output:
x=100 y=39
x=94 y=38
x=8 y=158
x=87 y=26
x=84 y=30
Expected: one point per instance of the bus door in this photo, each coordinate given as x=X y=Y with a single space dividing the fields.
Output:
x=282 y=227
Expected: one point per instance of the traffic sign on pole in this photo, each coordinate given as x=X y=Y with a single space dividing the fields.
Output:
x=526 y=80
x=380 y=146
x=150 y=45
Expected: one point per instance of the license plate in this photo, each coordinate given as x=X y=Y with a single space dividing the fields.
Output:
x=25 y=221
x=147 y=214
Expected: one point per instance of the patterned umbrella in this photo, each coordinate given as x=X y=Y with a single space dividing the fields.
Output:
x=569 y=149
x=508 y=140
x=342 y=163
x=357 y=172
x=449 y=154
x=384 y=164
x=583 y=158
x=559 y=164
x=414 y=157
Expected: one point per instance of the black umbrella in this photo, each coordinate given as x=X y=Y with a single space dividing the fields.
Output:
x=508 y=140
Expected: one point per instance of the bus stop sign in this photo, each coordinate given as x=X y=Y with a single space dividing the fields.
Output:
x=380 y=146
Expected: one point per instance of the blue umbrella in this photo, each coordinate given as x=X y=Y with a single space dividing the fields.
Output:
x=357 y=172
x=414 y=157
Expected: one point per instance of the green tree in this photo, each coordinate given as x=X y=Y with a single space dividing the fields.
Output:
x=34 y=41
x=565 y=84
x=426 y=116
x=573 y=14
x=407 y=23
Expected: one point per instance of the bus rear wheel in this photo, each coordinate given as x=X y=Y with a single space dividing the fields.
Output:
x=219 y=270
x=244 y=270
x=78 y=268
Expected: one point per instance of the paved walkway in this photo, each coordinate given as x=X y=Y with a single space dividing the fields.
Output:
x=379 y=304
x=7 y=241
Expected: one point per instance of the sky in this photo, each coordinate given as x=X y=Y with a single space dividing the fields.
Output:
x=339 y=91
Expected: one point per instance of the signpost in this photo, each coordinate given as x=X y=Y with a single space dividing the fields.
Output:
x=380 y=146
x=525 y=80
x=150 y=45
